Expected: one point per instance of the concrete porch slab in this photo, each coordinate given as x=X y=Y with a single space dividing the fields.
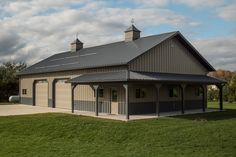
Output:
x=144 y=116
x=20 y=109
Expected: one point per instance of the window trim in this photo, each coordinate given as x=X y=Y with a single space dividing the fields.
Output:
x=99 y=93
x=173 y=92
x=24 y=91
x=140 y=93
x=112 y=98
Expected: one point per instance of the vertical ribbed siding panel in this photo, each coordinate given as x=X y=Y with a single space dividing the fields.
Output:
x=121 y=100
x=170 y=56
x=104 y=103
x=86 y=101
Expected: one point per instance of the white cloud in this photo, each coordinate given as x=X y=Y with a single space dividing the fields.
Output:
x=228 y=12
x=192 y=3
x=44 y=34
x=147 y=3
x=201 y=3
x=220 y=52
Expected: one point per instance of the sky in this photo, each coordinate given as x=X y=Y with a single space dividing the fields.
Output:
x=32 y=30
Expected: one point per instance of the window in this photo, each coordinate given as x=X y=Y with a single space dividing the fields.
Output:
x=24 y=91
x=173 y=92
x=101 y=93
x=114 y=95
x=140 y=93
x=198 y=92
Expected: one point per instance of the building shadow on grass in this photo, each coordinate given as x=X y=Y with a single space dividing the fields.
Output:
x=210 y=116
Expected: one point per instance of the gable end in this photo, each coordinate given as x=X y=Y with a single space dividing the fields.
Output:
x=174 y=55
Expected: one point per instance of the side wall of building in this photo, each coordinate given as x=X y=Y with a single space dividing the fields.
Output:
x=86 y=92
x=171 y=56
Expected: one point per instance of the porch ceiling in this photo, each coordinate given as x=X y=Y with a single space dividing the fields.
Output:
x=133 y=76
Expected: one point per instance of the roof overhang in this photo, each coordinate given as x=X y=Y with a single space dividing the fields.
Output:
x=135 y=76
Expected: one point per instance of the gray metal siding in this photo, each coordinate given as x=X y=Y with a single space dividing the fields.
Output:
x=26 y=101
x=85 y=105
x=168 y=57
x=104 y=107
x=50 y=103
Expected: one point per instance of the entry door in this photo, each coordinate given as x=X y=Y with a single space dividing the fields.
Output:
x=114 y=101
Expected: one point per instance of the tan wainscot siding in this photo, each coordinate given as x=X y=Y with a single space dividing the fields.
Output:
x=82 y=92
x=171 y=57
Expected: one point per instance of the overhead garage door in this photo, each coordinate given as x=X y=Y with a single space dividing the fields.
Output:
x=41 y=94
x=63 y=94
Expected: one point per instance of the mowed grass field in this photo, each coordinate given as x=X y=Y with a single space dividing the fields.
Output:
x=200 y=135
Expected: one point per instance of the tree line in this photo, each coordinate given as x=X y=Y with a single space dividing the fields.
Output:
x=9 y=83
x=229 y=90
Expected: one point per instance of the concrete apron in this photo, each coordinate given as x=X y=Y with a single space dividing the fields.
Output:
x=19 y=109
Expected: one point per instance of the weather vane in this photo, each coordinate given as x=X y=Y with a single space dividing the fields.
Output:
x=76 y=36
x=132 y=21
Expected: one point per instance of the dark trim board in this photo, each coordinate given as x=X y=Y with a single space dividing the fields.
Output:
x=193 y=104
x=142 y=108
x=170 y=106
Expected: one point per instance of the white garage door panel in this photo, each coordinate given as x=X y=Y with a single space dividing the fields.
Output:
x=63 y=95
x=41 y=94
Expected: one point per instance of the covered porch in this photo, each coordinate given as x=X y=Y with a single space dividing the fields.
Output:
x=129 y=95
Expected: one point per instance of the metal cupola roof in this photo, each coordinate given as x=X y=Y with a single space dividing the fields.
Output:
x=132 y=28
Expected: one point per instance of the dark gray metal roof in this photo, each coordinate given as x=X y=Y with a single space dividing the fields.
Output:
x=118 y=76
x=124 y=76
x=132 y=28
x=118 y=53
x=171 y=77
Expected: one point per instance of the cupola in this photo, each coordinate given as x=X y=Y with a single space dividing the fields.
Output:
x=76 y=45
x=132 y=33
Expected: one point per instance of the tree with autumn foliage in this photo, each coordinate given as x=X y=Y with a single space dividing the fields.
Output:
x=229 y=90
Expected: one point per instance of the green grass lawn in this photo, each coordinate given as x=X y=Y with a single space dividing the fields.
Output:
x=226 y=105
x=199 y=135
